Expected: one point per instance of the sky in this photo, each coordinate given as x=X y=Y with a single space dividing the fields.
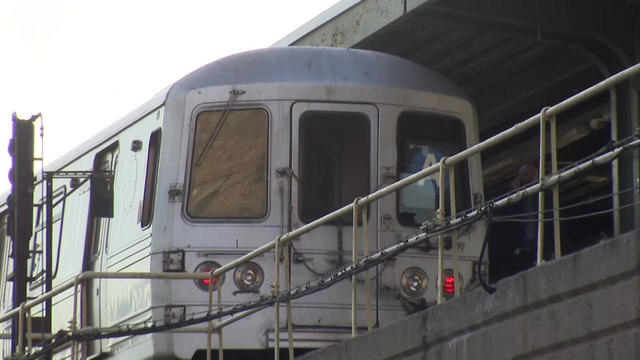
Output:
x=84 y=64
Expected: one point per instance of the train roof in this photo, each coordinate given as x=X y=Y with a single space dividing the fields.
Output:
x=336 y=66
x=301 y=64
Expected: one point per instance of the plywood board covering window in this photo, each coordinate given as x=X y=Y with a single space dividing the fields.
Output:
x=229 y=165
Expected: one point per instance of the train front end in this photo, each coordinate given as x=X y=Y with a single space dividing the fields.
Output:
x=262 y=143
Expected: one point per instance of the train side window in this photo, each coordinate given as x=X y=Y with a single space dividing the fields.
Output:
x=334 y=161
x=423 y=139
x=229 y=165
x=150 y=179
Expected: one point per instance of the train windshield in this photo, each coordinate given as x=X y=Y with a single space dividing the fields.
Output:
x=229 y=165
x=423 y=139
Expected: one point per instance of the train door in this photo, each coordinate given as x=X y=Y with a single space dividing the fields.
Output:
x=334 y=156
x=101 y=211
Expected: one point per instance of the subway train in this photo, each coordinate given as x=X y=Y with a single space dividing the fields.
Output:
x=228 y=158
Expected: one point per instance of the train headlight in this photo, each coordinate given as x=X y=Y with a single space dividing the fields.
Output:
x=414 y=281
x=248 y=277
x=206 y=267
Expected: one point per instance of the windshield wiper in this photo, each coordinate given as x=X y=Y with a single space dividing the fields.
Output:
x=233 y=95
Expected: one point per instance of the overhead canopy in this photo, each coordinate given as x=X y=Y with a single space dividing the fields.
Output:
x=513 y=57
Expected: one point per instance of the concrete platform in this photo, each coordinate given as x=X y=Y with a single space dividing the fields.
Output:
x=582 y=306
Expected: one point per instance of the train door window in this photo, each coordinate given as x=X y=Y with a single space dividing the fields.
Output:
x=150 y=179
x=334 y=161
x=422 y=140
x=229 y=165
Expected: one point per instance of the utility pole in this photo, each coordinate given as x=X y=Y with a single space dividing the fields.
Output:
x=20 y=203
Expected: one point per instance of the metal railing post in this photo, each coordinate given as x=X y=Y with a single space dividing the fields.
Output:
x=209 y=312
x=453 y=160
x=84 y=316
x=541 y=175
x=276 y=290
x=440 y=213
x=354 y=259
x=287 y=270
x=367 y=281
x=219 y=330
x=556 y=189
x=454 y=234
x=73 y=324
x=29 y=328
x=20 y=347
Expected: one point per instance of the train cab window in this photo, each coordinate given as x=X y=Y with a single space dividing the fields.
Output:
x=102 y=197
x=150 y=179
x=229 y=165
x=334 y=161
x=422 y=140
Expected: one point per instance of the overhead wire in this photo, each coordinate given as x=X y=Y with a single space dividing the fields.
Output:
x=565 y=218
x=571 y=206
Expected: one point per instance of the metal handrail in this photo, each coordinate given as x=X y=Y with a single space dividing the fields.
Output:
x=283 y=239
x=451 y=161
x=548 y=182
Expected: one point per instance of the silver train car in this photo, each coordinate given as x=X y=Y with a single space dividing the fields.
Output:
x=235 y=154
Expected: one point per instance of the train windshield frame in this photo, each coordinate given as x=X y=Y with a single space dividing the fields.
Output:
x=229 y=165
x=422 y=140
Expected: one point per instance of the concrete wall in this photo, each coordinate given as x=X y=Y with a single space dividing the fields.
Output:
x=583 y=306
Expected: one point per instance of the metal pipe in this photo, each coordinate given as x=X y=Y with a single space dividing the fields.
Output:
x=556 y=190
x=210 y=311
x=287 y=270
x=451 y=161
x=454 y=159
x=354 y=259
x=49 y=255
x=367 y=281
x=541 y=174
x=20 y=347
x=454 y=234
x=231 y=320
x=220 y=342
x=74 y=316
x=440 y=214
x=36 y=336
x=276 y=290
x=548 y=182
x=555 y=179
x=217 y=325
x=29 y=328
x=83 y=316
x=88 y=275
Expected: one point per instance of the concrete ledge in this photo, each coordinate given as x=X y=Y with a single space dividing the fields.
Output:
x=585 y=305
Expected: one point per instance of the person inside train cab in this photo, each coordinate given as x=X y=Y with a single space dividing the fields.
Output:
x=527 y=235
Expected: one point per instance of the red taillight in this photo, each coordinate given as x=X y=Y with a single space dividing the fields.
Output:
x=206 y=267
x=449 y=284
x=206 y=281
